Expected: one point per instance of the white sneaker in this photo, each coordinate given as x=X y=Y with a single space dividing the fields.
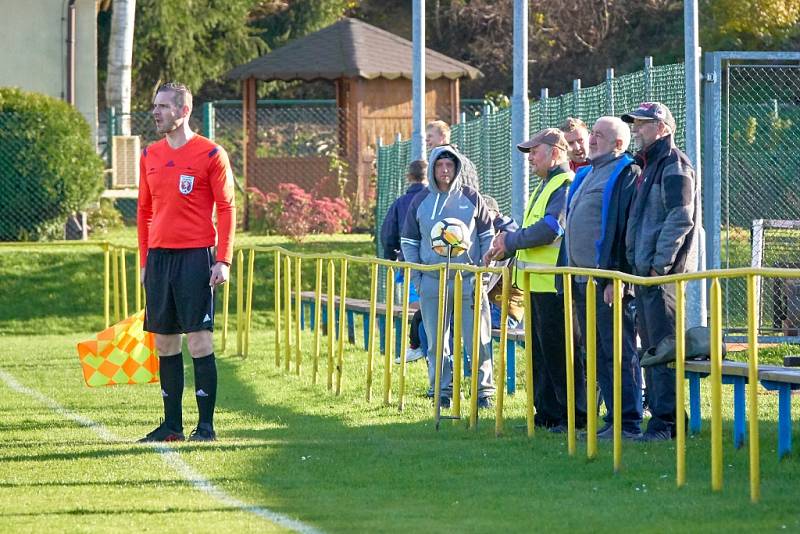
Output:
x=413 y=355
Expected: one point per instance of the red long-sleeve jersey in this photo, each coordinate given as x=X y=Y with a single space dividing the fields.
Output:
x=178 y=191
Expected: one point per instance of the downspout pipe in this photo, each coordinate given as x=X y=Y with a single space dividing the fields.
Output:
x=71 y=52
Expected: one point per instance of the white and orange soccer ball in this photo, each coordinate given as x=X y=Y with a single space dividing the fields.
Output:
x=450 y=232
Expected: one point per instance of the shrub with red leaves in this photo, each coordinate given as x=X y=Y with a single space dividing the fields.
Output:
x=295 y=213
x=331 y=216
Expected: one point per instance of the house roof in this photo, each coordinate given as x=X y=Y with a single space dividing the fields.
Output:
x=347 y=49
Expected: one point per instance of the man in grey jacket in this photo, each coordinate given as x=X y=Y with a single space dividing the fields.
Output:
x=661 y=239
x=597 y=210
x=445 y=197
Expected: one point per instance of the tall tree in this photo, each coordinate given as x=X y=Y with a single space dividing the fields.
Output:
x=191 y=42
x=750 y=24
x=120 y=54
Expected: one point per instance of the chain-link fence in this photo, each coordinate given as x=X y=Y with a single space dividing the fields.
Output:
x=487 y=140
x=760 y=203
x=306 y=142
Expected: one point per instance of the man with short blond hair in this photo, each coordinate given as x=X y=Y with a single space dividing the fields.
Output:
x=597 y=209
x=576 y=134
x=437 y=133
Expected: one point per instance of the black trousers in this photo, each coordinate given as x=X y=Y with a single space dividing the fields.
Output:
x=414 y=340
x=550 y=366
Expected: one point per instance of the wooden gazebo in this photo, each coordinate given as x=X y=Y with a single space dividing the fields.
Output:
x=372 y=70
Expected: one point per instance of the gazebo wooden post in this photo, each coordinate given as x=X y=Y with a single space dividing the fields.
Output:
x=356 y=152
x=455 y=101
x=249 y=129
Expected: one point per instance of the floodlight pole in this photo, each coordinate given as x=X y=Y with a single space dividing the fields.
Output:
x=418 y=81
x=696 y=291
x=519 y=112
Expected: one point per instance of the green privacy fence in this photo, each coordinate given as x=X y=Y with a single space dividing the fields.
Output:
x=487 y=140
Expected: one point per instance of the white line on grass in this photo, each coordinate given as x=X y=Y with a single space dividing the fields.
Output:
x=169 y=456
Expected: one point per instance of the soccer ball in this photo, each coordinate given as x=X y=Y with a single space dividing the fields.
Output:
x=450 y=232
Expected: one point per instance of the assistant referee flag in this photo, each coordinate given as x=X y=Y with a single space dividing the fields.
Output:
x=121 y=354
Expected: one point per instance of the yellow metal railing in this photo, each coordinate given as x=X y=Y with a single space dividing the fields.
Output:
x=286 y=326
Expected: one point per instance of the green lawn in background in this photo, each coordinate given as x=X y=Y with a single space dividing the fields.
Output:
x=340 y=464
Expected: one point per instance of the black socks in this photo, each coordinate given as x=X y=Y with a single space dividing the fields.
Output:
x=171 y=376
x=205 y=385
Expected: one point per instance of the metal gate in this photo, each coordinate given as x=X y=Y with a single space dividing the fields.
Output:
x=752 y=181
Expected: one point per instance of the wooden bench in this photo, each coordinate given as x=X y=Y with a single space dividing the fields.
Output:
x=361 y=307
x=783 y=380
x=773 y=378
x=734 y=373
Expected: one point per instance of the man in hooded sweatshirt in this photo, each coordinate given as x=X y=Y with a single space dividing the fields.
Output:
x=446 y=196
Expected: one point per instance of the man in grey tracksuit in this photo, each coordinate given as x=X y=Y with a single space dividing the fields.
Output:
x=445 y=197
x=661 y=239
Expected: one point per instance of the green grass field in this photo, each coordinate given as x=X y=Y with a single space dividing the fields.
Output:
x=293 y=451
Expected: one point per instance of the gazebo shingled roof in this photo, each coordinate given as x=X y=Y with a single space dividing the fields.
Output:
x=349 y=48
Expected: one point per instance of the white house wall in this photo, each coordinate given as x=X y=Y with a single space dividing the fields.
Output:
x=33 y=55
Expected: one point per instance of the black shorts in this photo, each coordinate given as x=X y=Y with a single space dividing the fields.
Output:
x=179 y=298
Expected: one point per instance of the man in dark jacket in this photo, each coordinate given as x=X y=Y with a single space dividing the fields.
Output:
x=396 y=216
x=661 y=239
x=597 y=212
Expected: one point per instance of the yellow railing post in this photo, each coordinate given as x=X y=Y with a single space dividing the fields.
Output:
x=226 y=297
x=590 y=337
x=404 y=337
x=617 y=374
x=342 y=324
x=373 y=317
x=287 y=315
x=331 y=322
x=106 y=284
x=317 y=318
x=458 y=348
x=526 y=294
x=476 y=344
x=387 y=356
x=123 y=282
x=251 y=268
x=298 y=309
x=716 y=385
x=138 y=284
x=501 y=363
x=115 y=277
x=569 y=353
x=277 y=297
x=752 y=386
x=437 y=380
x=239 y=302
x=680 y=372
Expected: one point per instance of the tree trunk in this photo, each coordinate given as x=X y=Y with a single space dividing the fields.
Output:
x=120 y=60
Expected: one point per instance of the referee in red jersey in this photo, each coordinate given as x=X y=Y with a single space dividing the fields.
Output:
x=183 y=179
